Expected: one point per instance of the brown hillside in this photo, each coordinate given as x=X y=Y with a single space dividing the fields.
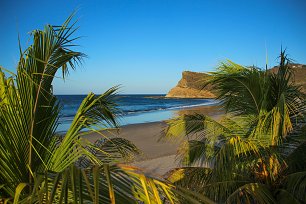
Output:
x=299 y=75
x=191 y=83
x=191 y=86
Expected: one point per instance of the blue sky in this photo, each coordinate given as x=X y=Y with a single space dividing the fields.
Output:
x=144 y=45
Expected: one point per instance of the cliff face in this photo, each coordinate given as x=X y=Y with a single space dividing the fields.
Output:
x=191 y=86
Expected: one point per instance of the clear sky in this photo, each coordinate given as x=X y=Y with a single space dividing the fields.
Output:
x=144 y=45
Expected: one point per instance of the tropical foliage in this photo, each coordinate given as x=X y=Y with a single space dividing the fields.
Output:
x=39 y=166
x=256 y=152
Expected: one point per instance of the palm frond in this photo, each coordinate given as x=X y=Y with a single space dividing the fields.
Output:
x=190 y=177
x=239 y=88
x=250 y=193
x=296 y=161
x=295 y=183
x=195 y=124
x=93 y=110
x=195 y=152
x=283 y=197
x=110 y=151
x=230 y=152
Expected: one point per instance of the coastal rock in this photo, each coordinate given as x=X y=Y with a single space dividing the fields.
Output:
x=191 y=86
x=191 y=83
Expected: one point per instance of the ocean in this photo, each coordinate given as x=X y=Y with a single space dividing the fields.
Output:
x=138 y=108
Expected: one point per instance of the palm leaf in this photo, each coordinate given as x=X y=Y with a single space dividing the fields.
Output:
x=250 y=193
x=295 y=184
x=39 y=166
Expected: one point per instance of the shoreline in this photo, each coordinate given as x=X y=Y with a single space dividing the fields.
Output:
x=157 y=157
x=153 y=114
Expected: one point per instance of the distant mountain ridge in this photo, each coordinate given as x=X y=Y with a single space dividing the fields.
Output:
x=191 y=83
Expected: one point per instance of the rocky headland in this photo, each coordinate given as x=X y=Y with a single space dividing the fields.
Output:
x=191 y=84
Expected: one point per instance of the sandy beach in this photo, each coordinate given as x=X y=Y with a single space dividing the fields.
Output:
x=157 y=157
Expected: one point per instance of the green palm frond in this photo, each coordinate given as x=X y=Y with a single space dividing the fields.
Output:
x=229 y=67
x=296 y=161
x=295 y=184
x=194 y=125
x=107 y=184
x=251 y=193
x=255 y=146
x=284 y=197
x=191 y=197
x=203 y=181
x=119 y=149
x=232 y=152
x=272 y=97
x=239 y=89
x=151 y=190
x=190 y=177
x=100 y=110
x=29 y=110
x=96 y=110
x=110 y=151
x=193 y=152
x=39 y=166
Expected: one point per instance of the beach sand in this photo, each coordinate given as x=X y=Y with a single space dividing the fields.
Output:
x=158 y=157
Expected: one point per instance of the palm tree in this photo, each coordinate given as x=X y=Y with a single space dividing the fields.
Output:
x=256 y=152
x=39 y=166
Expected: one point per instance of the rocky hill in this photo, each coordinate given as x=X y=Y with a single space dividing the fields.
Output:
x=191 y=83
x=299 y=75
x=191 y=86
